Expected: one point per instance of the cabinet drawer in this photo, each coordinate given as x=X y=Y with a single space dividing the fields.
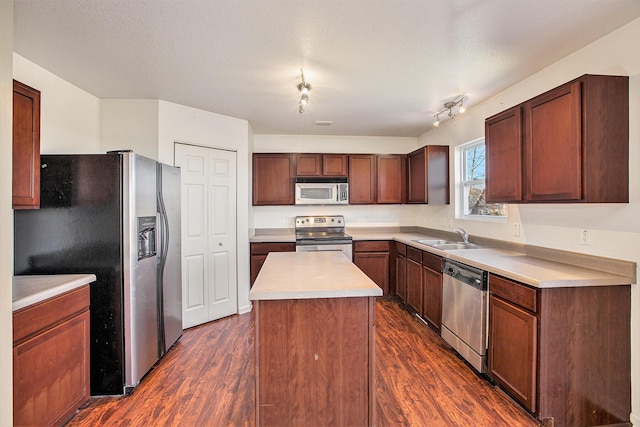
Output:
x=48 y=313
x=371 y=246
x=516 y=293
x=401 y=249
x=414 y=254
x=265 y=248
x=432 y=261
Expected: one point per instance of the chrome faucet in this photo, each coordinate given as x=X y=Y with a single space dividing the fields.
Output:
x=464 y=234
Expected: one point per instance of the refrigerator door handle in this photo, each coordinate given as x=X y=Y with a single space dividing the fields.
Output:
x=163 y=225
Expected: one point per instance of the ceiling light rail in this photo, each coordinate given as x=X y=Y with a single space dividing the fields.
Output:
x=303 y=88
x=449 y=107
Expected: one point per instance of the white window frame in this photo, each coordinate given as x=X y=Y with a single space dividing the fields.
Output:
x=461 y=183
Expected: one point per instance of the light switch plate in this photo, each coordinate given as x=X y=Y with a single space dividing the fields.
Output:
x=585 y=236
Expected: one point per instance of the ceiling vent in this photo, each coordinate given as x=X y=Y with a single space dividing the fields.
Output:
x=323 y=122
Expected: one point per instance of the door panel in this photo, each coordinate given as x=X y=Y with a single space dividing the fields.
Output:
x=209 y=242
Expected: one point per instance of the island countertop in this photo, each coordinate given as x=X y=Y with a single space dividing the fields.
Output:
x=303 y=275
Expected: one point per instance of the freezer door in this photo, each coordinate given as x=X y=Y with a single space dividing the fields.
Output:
x=140 y=267
x=170 y=255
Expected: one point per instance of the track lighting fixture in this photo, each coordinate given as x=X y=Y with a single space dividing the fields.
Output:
x=449 y=109
x=303 y=88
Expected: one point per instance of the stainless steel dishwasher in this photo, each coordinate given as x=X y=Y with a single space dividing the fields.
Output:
x=464 y=312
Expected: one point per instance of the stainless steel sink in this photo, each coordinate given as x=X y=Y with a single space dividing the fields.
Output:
x=446 y=244
x=431 y=242
x=455 y=245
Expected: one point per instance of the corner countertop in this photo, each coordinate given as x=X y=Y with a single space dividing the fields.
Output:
x=305 y=275
x=29 y=290
x=539 y=272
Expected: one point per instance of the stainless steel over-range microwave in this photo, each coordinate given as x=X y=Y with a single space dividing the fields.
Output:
x=322 y=191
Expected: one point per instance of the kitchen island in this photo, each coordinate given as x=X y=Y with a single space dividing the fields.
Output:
x=315 y=340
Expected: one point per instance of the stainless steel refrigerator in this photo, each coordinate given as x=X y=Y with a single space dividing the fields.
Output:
x=116 y=215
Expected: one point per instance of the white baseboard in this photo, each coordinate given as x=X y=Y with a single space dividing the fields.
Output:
x=245 y=309
x=635 y=420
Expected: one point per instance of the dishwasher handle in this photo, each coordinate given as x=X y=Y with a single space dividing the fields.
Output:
x=466 y=274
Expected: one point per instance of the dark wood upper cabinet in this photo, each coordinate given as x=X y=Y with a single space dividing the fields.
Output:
x=26 y=147
x=321 y=164
x=503 y=156
x=428 y=175
x=391 y=179
x=574 y=145
x=273 y=179
x=362 y=179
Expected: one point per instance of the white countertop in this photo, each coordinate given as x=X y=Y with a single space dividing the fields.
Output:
x=28 y=290
x=533 y=271
x=303 y=275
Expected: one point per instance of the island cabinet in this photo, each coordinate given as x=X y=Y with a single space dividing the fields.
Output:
x=259 y=252
x=428 y=175
x=26 y=147
x=51 y=359
x=401 y=271
x=362 y=179
x=321 y=164
x=563 y=353
x=432 y=289
x=372 y=257
x=391 y=179
x=414 y=279
x=315 y=341
x=273 y=175
x=570 y=144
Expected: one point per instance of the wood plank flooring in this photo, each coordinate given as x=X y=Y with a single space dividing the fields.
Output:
x=207 y=379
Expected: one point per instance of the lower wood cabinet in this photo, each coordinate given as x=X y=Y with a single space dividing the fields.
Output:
x=51 y=359
x=563 y=353
x=432 y=289
x=259 y=252
x=401 y=271
x=372 y=257
x=414 y=279
x=512 y=355
x=315 y=362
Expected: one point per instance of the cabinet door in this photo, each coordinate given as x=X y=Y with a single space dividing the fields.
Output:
x=308 y=164
x=503 y=162
x=257 y=261
x=513 y=338
x=391 y=179
x=273 y=179
x=432 y=302
x=362 y=180
x=553 y=141
x=51 y=373
x=428 y=175
x=376 y=266
x=334 y=164
x=417 y=176
x=259 y=252
x=401 y=277
x=414 y=285
x=26 y=147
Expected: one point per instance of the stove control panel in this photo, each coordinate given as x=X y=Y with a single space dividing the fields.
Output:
x=320 y=221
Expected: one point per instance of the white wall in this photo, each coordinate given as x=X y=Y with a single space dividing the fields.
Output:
x=178 y=123
x=615 y=228
x=129 y=124
x=6 y=214
x=70 y=117
x=370 y=215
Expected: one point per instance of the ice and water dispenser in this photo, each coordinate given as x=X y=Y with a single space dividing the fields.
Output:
x=146 y=237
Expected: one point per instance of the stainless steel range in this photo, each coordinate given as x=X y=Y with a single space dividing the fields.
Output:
x=322 y=233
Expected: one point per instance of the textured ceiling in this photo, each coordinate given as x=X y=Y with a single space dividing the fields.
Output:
x=377 y=67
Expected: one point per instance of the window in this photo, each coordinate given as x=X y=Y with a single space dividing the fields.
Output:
x=472 y=168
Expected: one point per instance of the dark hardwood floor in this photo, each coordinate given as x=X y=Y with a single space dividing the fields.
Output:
x=207 y=379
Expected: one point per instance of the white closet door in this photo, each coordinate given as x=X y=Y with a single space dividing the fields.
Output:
x=209 y=233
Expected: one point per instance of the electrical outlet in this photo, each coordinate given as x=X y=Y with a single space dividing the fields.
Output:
x=516 y=229
x=289 y=221
x=585 y=236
